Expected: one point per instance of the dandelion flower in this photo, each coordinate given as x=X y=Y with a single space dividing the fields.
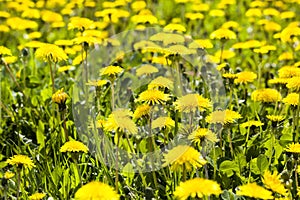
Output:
x=229 y=75
x=291 y=99
x=141 y=110
x=288 y=72
x=199 y=187
x=161 y=82
x=190 y=102
x=266 y=95
x=74 y=146
x=286 y=56
x=5 y=51
x=288 y=33
x=255 y=191
x=223 y=117
x=96 y=190
x=50 y=53
x=21 y=160
x=202 y=133
x=272 y=181
x=152 y=96
x=98 y=83
x=223 y=33
x=111 y=70
x=175 y=27
x=252 y=123
x=146 y=69
x=201 y=43
x=163 y=122
x=80 y=23
x=60 y=96
x=293 y=83
x=265 y=49
x=245 y=77
x=120 y=120
x=275 y=118
x=293 y=148
x=37 y=196
x=9 y=175
x=183 y=156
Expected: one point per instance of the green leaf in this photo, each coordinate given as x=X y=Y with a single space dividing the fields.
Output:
x=46 y=93
x=262 y=163
x=40 y=134
x=228 y=167
x=253 y=166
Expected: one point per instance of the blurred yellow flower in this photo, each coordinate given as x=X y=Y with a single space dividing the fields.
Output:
x=245 y=77
x=8 y=175
x=223 y=33
x=197 y=187
x=253 y=12
x=111 y=70
x=163 y=122
x=183 y=156
x=272 y=181
x=252 y=123
x=293 y=148
x=275 y=118
x=191 y=102
x=200 y=134
x=291 y=99
x=288 y=72
x=271 y=12
x=21 y=160
x=161 y=82
x=267 y=95
x=141 y=110
x=223 y=117
x=120 y=120
x=255 y=191
x=10 y=59
x=80 y=23
x=50 y=16
x=287 y=15
x=146 y=69
x=138 y=5
x=97 y=83
x=175 y=27
x=74 y=146
x=294 y=83
x=5 y=51
x=37 y=196
x=216 y=13
x=286 y=56
x=201 y=43
x=96 y=190
x=288 y=33
x=50 y=53
x=265 y=49
x=60 y=96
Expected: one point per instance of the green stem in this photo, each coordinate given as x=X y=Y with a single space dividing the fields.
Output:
x=18 y=181
x=297 y=119
x=52 y=77
x=112 y=95
x=246 y=142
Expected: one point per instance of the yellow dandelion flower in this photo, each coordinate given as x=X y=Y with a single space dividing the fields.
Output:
x=120 y=120
x=286 y=56
x=216 y=13
x=272 y=181
x=190 y=102
x=255 y=191
x=10 y=59
x=66 y=68
x=245 y=77
x=223 y=117
x=175 y=27
x=80 y=23
x=287 y=15
x=64 y=42
x=223 y=33
x=163 y=122
x=34 y=35
x=282 y=81
x=37 y=196
x=50 y=16
x=4 y=28
x=253 y=12
x=143 y=19
x=21 y=160
x=265 y=49
x=50 y=53
x=194 y=16
x=74 y=146
x=152 y=97
x=161 y=82
x=229 y=76
x=9 y=175
x=202 y=133
x=221 y=66
x=60 y=96
x=201 y=43
x=275 y=118
x=183 y=156
x=146 y=69
x=291 y=99
x=96 y=190
x=199 y=187
x=198 y=6
x=226 y=54
x=293 y=148
x=293 y=83
x=266 y=95
x=111 y=70
x=230 y=24
x=138 y=5
x=288 y=72
x=288 y=33
x=5 y=51
x=252 y=123
x=271 y=12
x=272 y=26
x=180 y=49
x=98 y=83
x=141 y=110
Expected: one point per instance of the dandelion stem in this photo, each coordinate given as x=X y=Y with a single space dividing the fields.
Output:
x=52 y=77
x=112 y=95
x=18 y=181
x=230 y=143
x=12 y=76
x=63 y=116
x=117 y=162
